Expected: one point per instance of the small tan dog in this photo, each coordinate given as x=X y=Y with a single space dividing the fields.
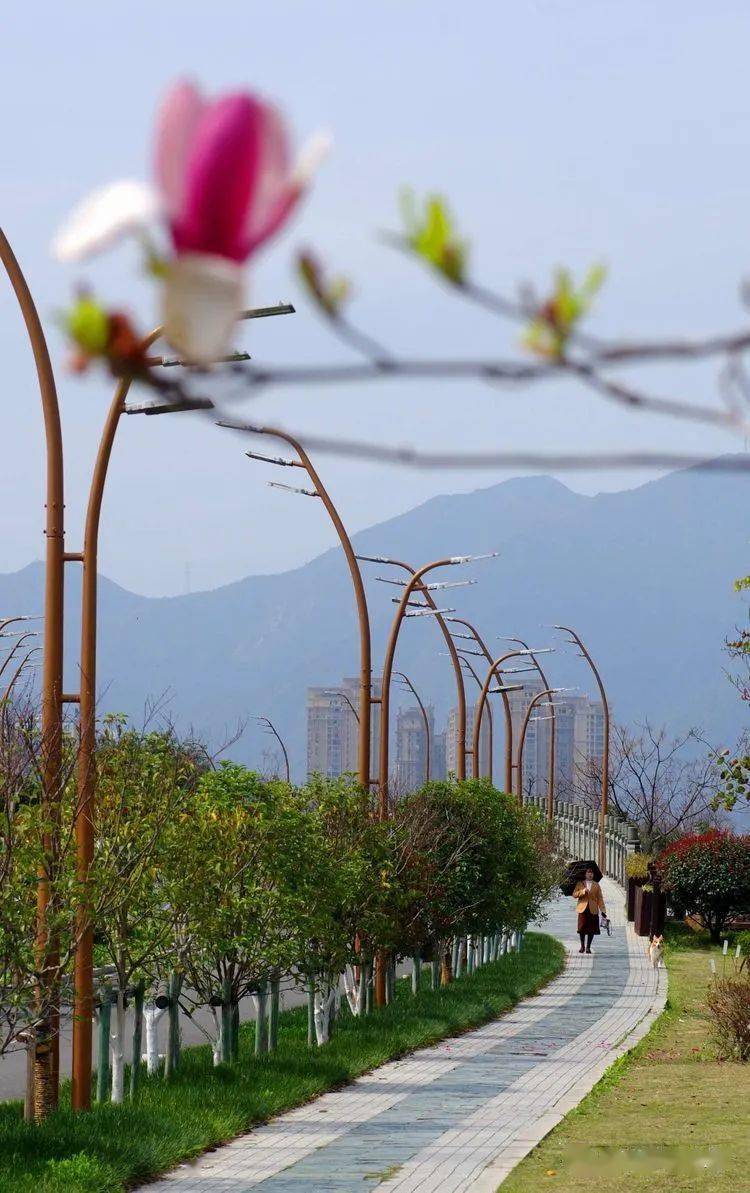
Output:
x=656 y=951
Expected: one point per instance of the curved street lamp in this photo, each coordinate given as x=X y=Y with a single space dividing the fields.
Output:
x=83 y=970
x=438 y=614
x=343 y=696
x=364 y=717
x=494 y=672
x=548 y=693
x=484 y=649
x=425 y=721
x=275 y=733
x=415 y=585
x=46 y=1066
x=577 y=641
x=552 y=733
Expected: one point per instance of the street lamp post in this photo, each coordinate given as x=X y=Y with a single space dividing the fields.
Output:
x=343 y=696
x=439 y=617
x=576 y=639
x=490 y=745
x=46 y=1037
x=425 y=721
x=548 y=694
x=475 y=635
x=413 y=584
x=83 y=971
x=552 y=734
x=494 y=672
x=275 y=733
x=365 y=649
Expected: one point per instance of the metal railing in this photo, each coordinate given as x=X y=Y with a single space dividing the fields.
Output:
x=579 y=828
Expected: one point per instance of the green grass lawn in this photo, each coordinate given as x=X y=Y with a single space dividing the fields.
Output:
x=115 y=1147
x=670 y=1115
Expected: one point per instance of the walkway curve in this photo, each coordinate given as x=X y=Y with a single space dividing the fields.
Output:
x=461 y=1114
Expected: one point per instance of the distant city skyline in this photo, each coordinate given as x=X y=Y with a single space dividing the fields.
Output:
x=579 y=740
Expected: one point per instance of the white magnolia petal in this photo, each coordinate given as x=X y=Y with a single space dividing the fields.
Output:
x=202 y=300
x=311 y=155
x=103 y=217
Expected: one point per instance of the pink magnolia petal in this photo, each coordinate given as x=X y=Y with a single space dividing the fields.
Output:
x=266 y=220
x=176 y=123
x=273 y=175
x=222 y=172
x=276 y=217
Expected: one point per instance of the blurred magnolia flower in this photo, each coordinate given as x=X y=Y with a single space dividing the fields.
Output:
x=224 y=185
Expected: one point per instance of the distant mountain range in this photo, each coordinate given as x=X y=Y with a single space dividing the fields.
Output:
x=645 y=575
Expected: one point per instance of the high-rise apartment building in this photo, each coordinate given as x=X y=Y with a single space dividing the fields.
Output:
x=451 y=742
x=333 y=729
x=438 y=762
x=579 y=737
x=411 y=748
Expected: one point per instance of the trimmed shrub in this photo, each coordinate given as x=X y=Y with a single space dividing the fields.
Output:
x=637 y=864
x=708 y=874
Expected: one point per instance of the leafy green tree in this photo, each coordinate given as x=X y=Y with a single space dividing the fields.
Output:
x=234 y=891
x=143 y=784
x=708 y=875
x=472 y=861
x=347 y=880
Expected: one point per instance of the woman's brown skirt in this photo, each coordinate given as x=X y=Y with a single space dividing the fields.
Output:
x=588 y=922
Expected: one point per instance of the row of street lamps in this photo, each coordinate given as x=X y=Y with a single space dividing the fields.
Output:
x=415 y=600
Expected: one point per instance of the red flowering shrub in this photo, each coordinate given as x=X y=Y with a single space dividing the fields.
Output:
x=708 y=874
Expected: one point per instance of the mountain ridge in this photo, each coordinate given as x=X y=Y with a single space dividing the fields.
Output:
x=644 y=574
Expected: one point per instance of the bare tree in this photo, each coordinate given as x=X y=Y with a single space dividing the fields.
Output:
x=666 y=786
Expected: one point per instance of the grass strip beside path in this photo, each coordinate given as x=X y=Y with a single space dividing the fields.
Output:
x=668 y=1116
x=116 y=1147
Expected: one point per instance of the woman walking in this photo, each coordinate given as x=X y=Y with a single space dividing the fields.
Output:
x=589 y=902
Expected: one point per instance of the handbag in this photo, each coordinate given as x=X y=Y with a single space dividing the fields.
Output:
x=606 y=923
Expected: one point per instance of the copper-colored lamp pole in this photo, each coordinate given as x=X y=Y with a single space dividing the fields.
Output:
x=552 y=735
x=440 y=619
x=365 y=650
x=343 y=696
x=275 y=733
x=605 y=753
x=547 y=693
x=494 y=672
x=491 y=744
x=506 y=703
x=413 y=584
x=83 y=974
x=46 y=1052
x=83 y=969
x=425 y=722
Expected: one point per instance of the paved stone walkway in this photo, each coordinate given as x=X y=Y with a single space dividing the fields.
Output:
x=461 y=1114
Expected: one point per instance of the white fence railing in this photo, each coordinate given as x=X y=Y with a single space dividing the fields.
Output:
x=579 y=834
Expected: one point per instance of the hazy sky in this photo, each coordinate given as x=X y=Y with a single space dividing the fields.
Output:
x=562 y=131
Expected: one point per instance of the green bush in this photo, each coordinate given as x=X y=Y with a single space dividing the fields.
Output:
x=708 y=874
x=637 y=864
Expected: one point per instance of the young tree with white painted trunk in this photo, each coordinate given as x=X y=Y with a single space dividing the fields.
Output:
x=236 y=920
x=143 y=783
x=348 y=913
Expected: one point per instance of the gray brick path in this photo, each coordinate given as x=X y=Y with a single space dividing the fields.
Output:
x=461 y=1114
